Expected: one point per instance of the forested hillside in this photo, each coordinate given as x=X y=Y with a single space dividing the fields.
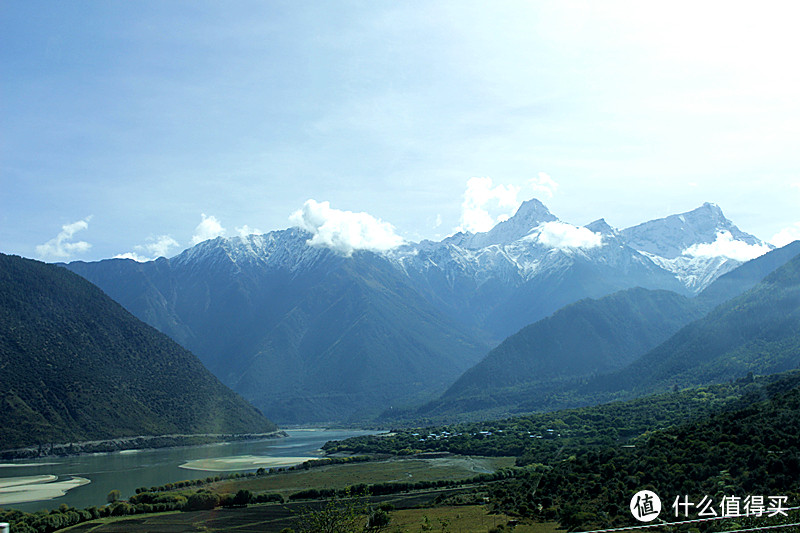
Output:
x=748 y=452
x=585 y=338
x=76 y=366
x=758 y=332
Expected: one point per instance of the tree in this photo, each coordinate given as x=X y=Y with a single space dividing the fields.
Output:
x=341 y=514
x=378 y=520
x=113 y=496
x=202 y=500
x=242 y=498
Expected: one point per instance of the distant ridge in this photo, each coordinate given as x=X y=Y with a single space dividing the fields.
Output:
x=76 y=366
x=584 y=338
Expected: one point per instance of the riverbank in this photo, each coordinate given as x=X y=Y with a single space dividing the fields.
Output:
x=129 y=470
x=141 y=442
x=36 y=488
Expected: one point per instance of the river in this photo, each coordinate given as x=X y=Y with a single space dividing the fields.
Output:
x=88 y=479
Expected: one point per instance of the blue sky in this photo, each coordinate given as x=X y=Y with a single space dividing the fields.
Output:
x=141 y=127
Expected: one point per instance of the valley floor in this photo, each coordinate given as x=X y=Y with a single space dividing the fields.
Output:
x=408 y=517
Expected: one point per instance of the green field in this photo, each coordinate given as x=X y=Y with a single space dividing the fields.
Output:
x=461 y=519
x=273 y=518
x=344 y=475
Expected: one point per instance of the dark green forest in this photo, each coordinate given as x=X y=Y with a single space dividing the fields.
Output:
x=581 y=466
x=747 y=452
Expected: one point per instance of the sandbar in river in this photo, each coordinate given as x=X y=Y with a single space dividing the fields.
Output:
x=243 y=462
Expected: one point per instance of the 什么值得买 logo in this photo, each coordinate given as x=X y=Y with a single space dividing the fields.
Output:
x=645 y=506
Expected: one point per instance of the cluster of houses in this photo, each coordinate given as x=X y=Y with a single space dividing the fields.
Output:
x=547 y=434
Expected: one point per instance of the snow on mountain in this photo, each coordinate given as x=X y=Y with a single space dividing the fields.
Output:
x=697 y=246
x=513 y=251
x=284 y=249
x=534 y=240
x=691 y=247
x=602 y=227
x=530 y=214
x=669 y=237
x=695 y=273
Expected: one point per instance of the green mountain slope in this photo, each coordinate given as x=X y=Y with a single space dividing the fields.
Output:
x=353 y=344
x=581 y=466
x=576 y=343
x=537 y=437
x=746 y=276
x=758 y=332
x=588 y=337
x=76 y=366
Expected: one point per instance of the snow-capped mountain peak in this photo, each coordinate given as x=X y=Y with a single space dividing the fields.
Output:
x=689 y=247
x=602 y=227
x=697 y=246
x=530 y=215
x=277 y=249
x=671 y=236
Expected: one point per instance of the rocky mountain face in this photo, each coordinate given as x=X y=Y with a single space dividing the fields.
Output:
x=669 y=242
x=310 y=335
x=670 y=237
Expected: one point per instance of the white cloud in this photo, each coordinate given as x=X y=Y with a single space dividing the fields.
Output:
x=557 y=234
x=544 y=184
x=344 y=231
x=61 y=246
x=209 y=228
x=438 y=221
x=133 y=255
x=246 y=230
x=726 y=246
x=159 y=246
x=786 y=235
x=485 y=205
x=155 y=247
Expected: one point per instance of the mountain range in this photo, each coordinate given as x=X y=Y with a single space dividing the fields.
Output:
x=532 y=264
x=310 y=335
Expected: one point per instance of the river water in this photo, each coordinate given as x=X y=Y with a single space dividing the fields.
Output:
x=93 y=476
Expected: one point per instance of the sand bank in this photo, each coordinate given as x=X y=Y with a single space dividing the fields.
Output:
x=243 y=462
x=36 y=488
